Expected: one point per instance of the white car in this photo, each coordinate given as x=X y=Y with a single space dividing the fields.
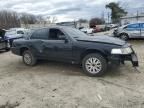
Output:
x=134 y=30
x=87 y=30
x=16 y=33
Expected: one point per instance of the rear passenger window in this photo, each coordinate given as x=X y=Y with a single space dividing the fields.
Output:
x=40 y=34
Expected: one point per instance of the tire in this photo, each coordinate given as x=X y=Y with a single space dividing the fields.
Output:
x=92 y=68
x=28 y=58
x=124 y=37
x=7 y=49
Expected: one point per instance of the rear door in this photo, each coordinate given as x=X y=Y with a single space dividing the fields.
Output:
x=133 y=30
x=37 y=41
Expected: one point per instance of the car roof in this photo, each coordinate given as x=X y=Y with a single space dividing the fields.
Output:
x=48 y=27
x=135 y=23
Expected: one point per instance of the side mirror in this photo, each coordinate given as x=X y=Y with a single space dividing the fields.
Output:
x=62 y=37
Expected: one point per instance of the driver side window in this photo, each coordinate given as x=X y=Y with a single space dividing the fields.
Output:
x=56 y=34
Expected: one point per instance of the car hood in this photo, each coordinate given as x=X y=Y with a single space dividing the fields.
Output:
x=102 y=39
x=13 y=36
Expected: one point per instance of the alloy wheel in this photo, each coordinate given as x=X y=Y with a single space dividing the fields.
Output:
x=93 y=65
x=27 y=58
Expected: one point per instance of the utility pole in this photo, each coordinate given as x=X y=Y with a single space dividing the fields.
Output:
x=137 y=15
x=108 y=17
x=103 y=16
x=75 y=23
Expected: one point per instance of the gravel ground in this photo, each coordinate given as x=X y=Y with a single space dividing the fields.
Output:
x=59 y=85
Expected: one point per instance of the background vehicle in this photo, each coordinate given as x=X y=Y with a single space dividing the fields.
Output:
x=15 y=33
x=135 y=30
x=71 y=45
x=3 y=42
x=101 y=28
x=86 y=30
x=96 y=29
x=113 y=26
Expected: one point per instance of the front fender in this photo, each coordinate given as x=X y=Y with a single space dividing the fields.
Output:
x=88 y=51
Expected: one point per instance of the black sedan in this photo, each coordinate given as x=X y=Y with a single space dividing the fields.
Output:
x=71 y=45
x=4 y=45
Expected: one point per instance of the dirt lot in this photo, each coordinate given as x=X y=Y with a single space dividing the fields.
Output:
x=57 y=85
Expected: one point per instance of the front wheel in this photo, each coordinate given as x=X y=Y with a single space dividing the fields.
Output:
x=124 y=37
x=94 y=65
x=28 y=58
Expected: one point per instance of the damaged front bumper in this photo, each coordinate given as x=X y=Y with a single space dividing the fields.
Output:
x=134 y=60
x=122 y=58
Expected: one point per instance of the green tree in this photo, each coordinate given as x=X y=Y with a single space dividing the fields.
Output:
x=9 y=19
x=116 y=11
x=96 y=21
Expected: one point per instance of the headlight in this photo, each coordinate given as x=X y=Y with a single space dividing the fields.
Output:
x=127 y=50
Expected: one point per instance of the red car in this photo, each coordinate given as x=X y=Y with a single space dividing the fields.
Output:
x=96 y=29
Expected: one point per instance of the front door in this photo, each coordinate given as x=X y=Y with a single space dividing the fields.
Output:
x=58 y=46
x=134 y=30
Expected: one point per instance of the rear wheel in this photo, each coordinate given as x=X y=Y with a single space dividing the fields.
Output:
x=94 y=65
x=28 y=58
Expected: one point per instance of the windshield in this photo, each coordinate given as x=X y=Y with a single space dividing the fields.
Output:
x=75 y=33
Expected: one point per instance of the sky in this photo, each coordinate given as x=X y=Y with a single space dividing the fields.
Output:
x=68 y=10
